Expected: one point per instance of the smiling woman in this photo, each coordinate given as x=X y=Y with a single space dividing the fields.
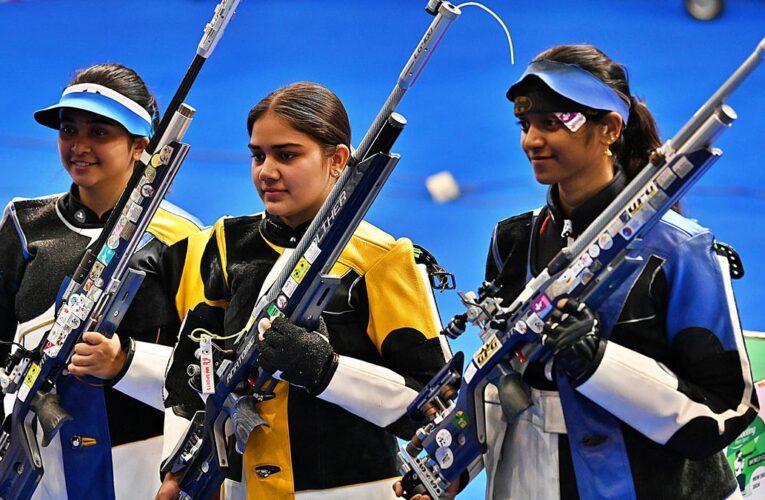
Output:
x=104 y=119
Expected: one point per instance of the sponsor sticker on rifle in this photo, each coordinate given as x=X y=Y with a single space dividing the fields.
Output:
x=29 y=380
x=273 y=311
x=605 y=241
x=127 y=231
x=541 y=305
x=443 y=437
x=147 y=191
x=135 y=196
x=535 y=323
x=312 y=252
x=105 y=255
x=133 y=212
x=300 y=270
x=491 y=346
x=113 y=241
x=165 y=153
x=150 y=173
x=289 y=287
x=445 y=457
x=206 y=364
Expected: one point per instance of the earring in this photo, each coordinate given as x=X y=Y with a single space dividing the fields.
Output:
x=335 y=173
x=608 y=143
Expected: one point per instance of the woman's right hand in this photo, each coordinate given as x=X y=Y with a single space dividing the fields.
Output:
x=170 y=488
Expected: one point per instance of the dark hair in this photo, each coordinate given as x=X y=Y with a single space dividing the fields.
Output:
x=641 y=135
x=123 y=80
x=310 y=108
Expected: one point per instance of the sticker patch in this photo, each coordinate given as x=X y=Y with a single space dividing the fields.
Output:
x=445 y=457
x=300 y=270
x=520 y=327
x=491 y=346
x=150 y=173
x=281 y=301
x=312 y=252
x=461 y=419
x=573 y=121
x=541 y=305
x=289 y=287
x=444 y=437
x=113 y=241
x=134 y=212
x=206 y=364
x=535 y=323
x=135 y=196
x=105 y=255
x=147 y=191
x=95 y=272
x=605 y=241
x=682 y=167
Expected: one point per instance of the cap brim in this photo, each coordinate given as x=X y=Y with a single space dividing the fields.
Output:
x=575 y=84
x=94 y=103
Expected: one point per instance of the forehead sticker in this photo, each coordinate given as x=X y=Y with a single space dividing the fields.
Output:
x=522 y=104
x=572 y=121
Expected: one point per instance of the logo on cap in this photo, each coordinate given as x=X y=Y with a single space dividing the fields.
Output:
x=522 y=104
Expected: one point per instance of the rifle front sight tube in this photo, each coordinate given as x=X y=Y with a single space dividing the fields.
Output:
x=224 y=11
x=447 y=14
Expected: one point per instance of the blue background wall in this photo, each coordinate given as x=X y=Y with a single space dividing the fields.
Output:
x=458 y=117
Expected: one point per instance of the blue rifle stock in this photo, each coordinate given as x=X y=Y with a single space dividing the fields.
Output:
x=590 y=269
x=100 y=290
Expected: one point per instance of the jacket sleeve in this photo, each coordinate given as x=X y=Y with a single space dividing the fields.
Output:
x=404 y=326
x=151 y=324
x=12 y=265
x=702 y=396
x=193 y=277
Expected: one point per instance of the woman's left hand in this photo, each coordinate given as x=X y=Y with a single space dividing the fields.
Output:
x=303 y=357
x=98 y=356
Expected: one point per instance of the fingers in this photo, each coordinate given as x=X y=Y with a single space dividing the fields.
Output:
x=398 y=490
x=263 y=326
x=94 y=338
x=570 y=306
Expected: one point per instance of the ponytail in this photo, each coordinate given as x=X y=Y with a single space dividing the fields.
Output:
x=638 y=139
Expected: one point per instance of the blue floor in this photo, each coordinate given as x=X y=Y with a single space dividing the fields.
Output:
x=458 y=117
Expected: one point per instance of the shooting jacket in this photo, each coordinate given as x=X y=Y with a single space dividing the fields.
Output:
x=382 y=323
x=41 y=242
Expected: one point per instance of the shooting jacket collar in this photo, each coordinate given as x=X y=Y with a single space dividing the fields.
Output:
x=77 y=214
x=281 y=234
x=583 y=215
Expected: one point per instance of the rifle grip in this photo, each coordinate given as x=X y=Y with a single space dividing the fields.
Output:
x=50 y=414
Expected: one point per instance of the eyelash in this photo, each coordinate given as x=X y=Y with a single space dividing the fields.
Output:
x=260 y=157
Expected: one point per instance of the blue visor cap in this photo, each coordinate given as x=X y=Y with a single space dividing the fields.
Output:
x=101 y=101
x=574 y=83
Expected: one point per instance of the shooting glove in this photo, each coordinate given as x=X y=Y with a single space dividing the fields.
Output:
x=572 y=334
x=304 y=358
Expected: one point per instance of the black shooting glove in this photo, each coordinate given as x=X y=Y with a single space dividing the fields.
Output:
x=572 y=334
x=304 y=358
